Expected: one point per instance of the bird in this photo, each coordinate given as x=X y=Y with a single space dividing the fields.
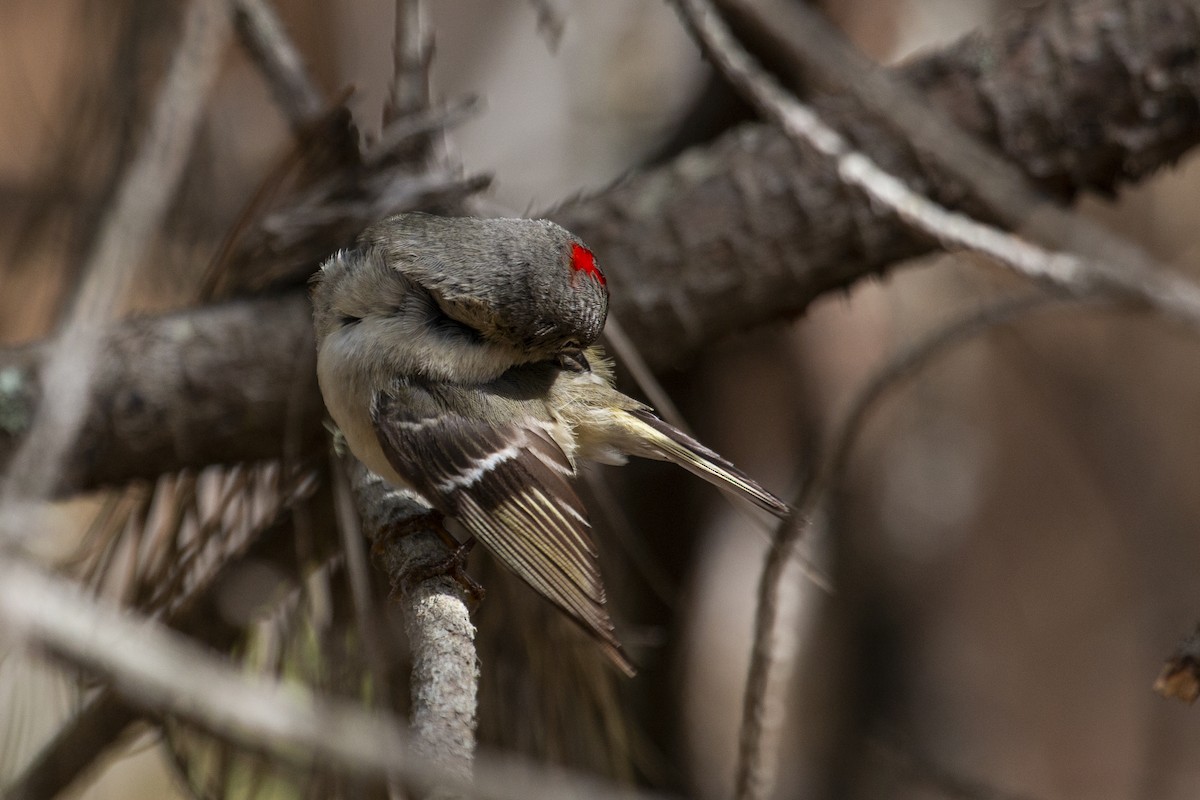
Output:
x=458 y=358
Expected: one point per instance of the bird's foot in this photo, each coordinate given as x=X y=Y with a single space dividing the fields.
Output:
x=453 y=565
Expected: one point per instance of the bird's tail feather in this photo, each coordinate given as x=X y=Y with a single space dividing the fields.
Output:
x=676 y=446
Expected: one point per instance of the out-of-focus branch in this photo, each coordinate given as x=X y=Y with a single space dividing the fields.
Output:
x=264 y=37
x=98 y=724
x=411 y=53
x=152 y=667
x=743 y=231
x=1131 y=278
x=751 y=229
x=149 y=182
x=758 y=745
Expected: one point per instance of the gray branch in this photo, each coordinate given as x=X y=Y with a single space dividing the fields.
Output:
x=732 y=235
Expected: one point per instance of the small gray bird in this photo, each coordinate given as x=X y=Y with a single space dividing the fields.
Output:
x=456 y=356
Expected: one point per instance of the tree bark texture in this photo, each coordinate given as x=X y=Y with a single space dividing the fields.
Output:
x=1083 y=96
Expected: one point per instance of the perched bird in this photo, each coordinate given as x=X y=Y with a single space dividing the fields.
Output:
x=456 y=356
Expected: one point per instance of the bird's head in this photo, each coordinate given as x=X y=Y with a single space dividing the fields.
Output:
x=526 y=284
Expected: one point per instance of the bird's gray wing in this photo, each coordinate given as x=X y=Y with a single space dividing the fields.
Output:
x=508 y=483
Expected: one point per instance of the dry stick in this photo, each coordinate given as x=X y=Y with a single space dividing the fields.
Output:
x=822 y=52
x=164 y=671
x=755 y=774
x=141 y=202
x=99 y=723
x=358 y=573
x=437 y=617
x=409 y=90
x=1169 y=294
x=643 y=376
x=402 y=131
x=280 y=62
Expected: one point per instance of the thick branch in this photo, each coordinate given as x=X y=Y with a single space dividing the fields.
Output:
x=750 y=229
x=184 y=391
x=741 y=232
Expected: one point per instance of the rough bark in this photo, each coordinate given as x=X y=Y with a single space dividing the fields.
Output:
x=1084 y=96
x=184 y=390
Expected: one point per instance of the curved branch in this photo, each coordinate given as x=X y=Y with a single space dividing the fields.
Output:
x=740 y=232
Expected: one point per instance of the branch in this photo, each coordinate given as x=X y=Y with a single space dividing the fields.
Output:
x=267 y=42
x=142 y=199
x=743 y=231
x=232 y=382
x=445 y=674
x=765 y=682
x=752 y=228
x=1132 y=275
x=98 y=724
x=157 y=669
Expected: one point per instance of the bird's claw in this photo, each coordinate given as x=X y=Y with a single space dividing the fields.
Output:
x=453 y=565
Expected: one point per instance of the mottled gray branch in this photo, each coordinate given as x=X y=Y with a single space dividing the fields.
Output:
x=728 y=236
x=152 y=667
x=753 y=229
x=437 y=619
x=184 y=390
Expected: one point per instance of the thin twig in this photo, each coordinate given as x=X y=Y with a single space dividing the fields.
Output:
x=631 y=359
x=755 y=772
x=1129 y=277
x=142 y=200
x=401 y=132
x=160 y=670
x=265 y=39
x=411 y=53
x=361 y=589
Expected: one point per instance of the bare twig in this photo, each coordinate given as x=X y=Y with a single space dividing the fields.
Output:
x=411 y=54
x=263 y=35
x=678 y=284
x=361 y=588
x=766 y=678
x=141 y=202
x=162 y=671
x=401 y=132
x=1172 y=295
x=437 y=619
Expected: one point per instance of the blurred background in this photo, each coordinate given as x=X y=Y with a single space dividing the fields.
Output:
x=1016 y=538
